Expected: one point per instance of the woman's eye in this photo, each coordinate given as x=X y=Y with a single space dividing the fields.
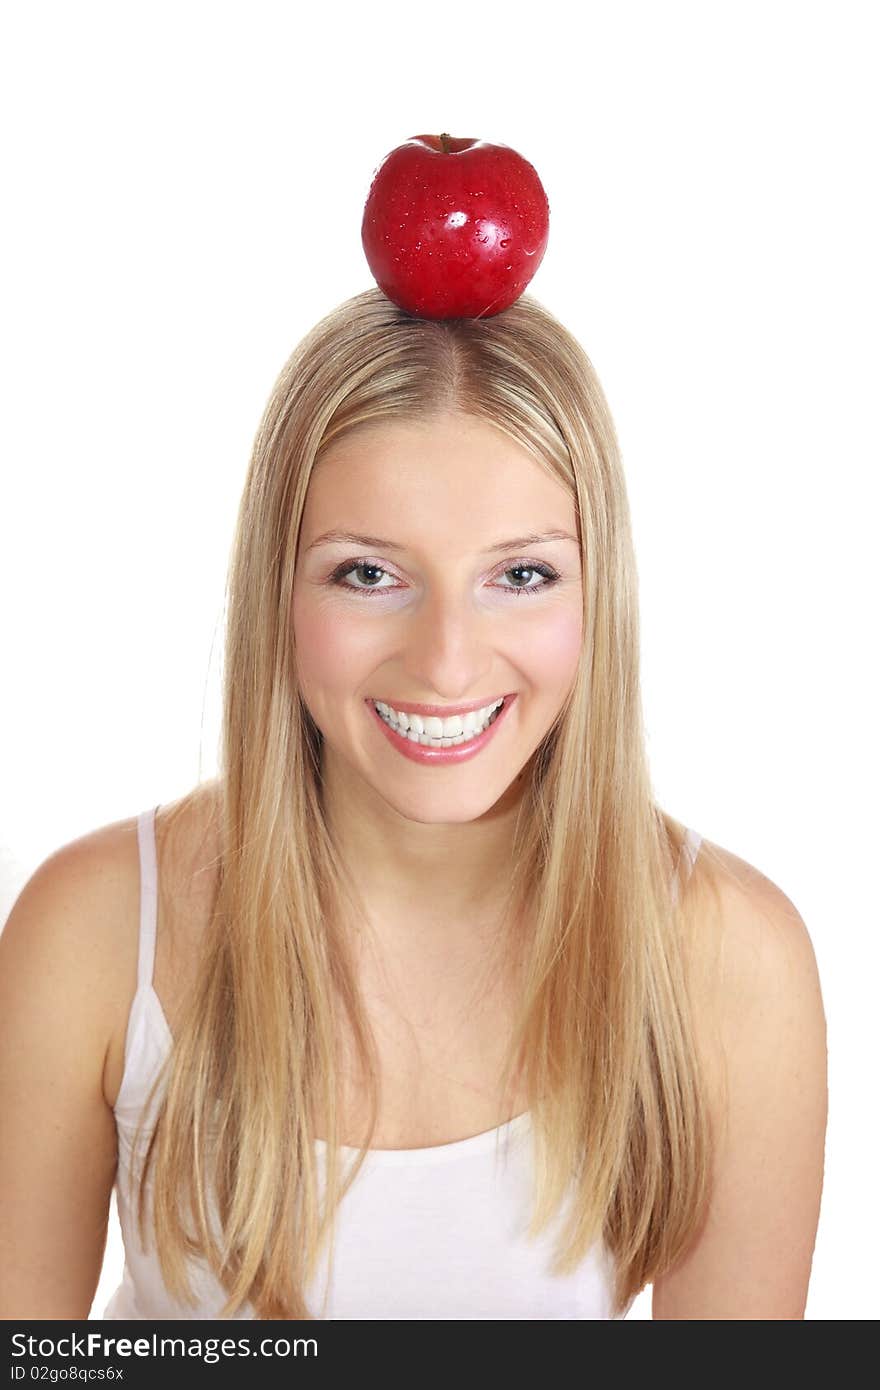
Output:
x=348 y=567
x=548 y=574
x=531 y=569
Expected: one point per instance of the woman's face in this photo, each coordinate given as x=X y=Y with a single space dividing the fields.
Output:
x=435 y=608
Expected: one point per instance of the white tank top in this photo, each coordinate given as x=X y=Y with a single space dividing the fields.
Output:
x=422 y=1234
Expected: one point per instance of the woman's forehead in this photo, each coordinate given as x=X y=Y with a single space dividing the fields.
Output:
x=410 y=439
x=451 y=467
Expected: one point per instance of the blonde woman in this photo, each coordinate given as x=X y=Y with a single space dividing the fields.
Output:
x=404 y=1020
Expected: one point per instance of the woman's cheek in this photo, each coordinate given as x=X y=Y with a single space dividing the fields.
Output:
x=554 y=648
x=333 y=649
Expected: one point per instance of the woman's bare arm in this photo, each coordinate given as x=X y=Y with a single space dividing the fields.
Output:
x=59 y=997
x=763 y=1027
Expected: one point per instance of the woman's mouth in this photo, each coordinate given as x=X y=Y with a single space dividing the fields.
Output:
x=428 y=739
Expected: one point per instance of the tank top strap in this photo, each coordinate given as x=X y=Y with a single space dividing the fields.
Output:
x=690 y=849
x=687 y=858
x=146 y=827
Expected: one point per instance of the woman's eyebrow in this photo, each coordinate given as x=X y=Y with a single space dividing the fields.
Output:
x=377 y=542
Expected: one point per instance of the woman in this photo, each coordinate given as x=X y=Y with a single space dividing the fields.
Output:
x=469 y=983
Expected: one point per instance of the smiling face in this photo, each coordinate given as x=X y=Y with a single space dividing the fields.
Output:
x=434 y=609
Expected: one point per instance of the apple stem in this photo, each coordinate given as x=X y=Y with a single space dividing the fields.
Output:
x=444 y=140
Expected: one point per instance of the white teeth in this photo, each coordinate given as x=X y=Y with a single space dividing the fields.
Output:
x=435 y=732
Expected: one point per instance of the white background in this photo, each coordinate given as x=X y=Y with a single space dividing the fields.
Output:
x=184 y=186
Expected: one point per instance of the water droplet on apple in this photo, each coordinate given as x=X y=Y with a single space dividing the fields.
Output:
x=505 y=242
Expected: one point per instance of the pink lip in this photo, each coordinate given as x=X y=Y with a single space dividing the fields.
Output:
x=443 y=711
x=433 y=756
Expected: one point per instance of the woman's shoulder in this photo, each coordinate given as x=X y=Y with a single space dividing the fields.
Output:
x=754 y=982
x=76 y=922
x=101 y=868
x=760 y=1031
x=740 y=923
x=86 y=880
x=66 y=951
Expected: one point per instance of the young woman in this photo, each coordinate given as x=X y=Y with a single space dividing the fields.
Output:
x=406 y=1019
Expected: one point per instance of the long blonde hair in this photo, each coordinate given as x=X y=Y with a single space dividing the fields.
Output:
x=604 y=1037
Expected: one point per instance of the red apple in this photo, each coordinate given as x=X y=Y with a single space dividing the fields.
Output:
x=454 y=228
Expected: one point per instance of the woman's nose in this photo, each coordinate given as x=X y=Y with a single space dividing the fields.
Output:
x=449 y=646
